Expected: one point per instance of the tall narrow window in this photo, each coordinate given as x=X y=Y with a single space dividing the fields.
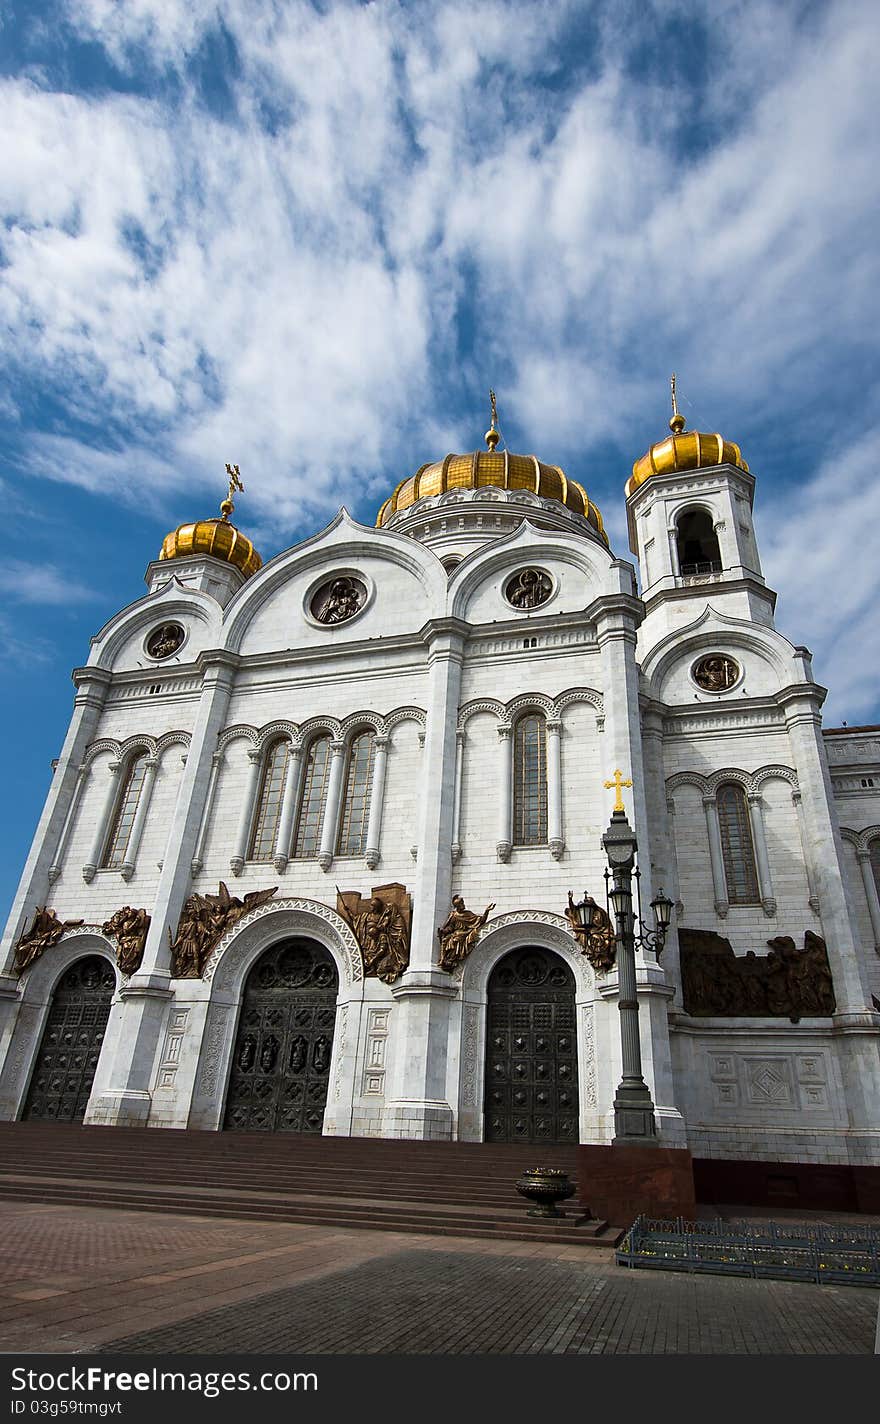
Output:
x=530 y=780
x=356 y=802
x=307 y=840
x=698 y=550
x=737 y=846
x=269 y=802
x=126 y=810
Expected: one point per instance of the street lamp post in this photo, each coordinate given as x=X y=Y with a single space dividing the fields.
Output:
x=634 y=1123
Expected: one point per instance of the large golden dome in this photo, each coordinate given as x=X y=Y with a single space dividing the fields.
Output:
x=684 y=450
x=216 y=537
x=498 y=468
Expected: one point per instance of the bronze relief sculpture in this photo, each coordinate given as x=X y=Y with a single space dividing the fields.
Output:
x=381 y=926
x=787 y=982
x=204 y=919
x=45 y=931
x=129 y=928
x=599 y=942
x=459 y=932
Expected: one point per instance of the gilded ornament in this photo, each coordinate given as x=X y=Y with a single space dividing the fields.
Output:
x=715 y=673
x=129 y=928
x=599 y=942
x=45 y=932
x=381 y=926
x=203 y=920
x=616 y=786
x=459 y=932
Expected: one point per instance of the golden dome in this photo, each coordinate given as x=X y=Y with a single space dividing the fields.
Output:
x=216 y=537
x=498 y=468
x=684 y=450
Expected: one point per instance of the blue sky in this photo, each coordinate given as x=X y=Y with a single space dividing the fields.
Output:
x=306 y=238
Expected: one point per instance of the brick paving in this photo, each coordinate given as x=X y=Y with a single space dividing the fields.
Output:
x=86 y=1280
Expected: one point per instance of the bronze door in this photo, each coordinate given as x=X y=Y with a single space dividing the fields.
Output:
x=71 y=1043
x=531 y=1050
x=281 y=1059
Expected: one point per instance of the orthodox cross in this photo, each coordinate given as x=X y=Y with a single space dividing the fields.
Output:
x=674 y=401
x=616 y=786
x=492 y=436
x=234 y=480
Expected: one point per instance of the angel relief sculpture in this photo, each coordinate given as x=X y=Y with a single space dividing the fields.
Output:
x=204 y=919
x=129 y=928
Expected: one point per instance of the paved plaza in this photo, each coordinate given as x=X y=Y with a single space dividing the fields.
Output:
x=81 y=1280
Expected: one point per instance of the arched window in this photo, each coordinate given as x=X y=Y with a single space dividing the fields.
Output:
x=269 y=801
x=737 y=846
x=116 y=848
x=530 y=780
x=307 y=840
x=356 y=800
x=698 y=549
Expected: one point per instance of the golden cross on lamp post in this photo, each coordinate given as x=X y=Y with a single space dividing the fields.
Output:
x=616 y=785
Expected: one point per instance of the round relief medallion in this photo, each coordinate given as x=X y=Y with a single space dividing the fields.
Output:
x=164 y=640
x=528 y=589
x=338 y=599
x=715 y=673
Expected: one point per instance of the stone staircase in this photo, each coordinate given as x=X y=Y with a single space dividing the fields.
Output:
x=445 y=1188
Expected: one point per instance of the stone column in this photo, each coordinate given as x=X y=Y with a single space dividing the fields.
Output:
x=857 y=1027
x=555 y=838
x=246 y=812
x=58 y=859
x=126 y=869
x=138 y=1015
x=289 y=799
x=57 y=817
x=870 y=884
x=417 y=1104
x=716 y=856
x=505 y=791
x=813 y=898
x=762 y=859
x=331 y=806
x=102 y=827
x=377 y=801
x=617 y=617
x=198 y=859
x=456 y=809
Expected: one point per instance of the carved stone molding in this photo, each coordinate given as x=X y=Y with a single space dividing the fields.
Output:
x=296 y=916
x=470 y=1054
x=590 y=1096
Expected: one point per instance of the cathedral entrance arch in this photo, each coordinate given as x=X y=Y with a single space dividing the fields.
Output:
x=281 y=1058
x=531 y=1050
x=67 y=1058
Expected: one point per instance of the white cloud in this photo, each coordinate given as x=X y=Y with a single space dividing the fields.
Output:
x=40 y=583
x=292 y=294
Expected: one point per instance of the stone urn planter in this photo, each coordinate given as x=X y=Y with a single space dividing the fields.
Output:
x=545 y=1186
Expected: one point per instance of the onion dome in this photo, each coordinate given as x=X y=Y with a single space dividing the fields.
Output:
x=217 y=537
x=683 y=450
x=492 y=467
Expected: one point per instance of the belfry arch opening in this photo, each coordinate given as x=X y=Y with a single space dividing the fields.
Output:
x=531 y=1050
x=281 y=1059
x=697 y=543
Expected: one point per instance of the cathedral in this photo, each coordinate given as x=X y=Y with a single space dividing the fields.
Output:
x=307 y=860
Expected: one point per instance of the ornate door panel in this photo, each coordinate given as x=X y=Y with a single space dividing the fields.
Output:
x=71 y=1043
x=281 y=1059
x=531 y=1050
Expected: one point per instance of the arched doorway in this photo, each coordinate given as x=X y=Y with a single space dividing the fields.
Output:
x=531 y=1050
x=281 y=1058
x=71 y=1044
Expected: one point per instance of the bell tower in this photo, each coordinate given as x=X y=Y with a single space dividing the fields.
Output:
x=689 y=512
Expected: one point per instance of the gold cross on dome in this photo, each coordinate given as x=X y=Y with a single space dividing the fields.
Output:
x=616 y=786
x=234 y=475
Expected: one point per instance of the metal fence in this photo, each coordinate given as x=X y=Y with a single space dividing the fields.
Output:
x=841 y=1255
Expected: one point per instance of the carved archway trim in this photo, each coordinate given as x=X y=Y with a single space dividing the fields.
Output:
x=241 y=945
x=752 y=781
x=516 y=928
x=38 y=982
x=861 y=840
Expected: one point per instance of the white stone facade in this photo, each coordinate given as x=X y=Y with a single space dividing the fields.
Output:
x=439 y=665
